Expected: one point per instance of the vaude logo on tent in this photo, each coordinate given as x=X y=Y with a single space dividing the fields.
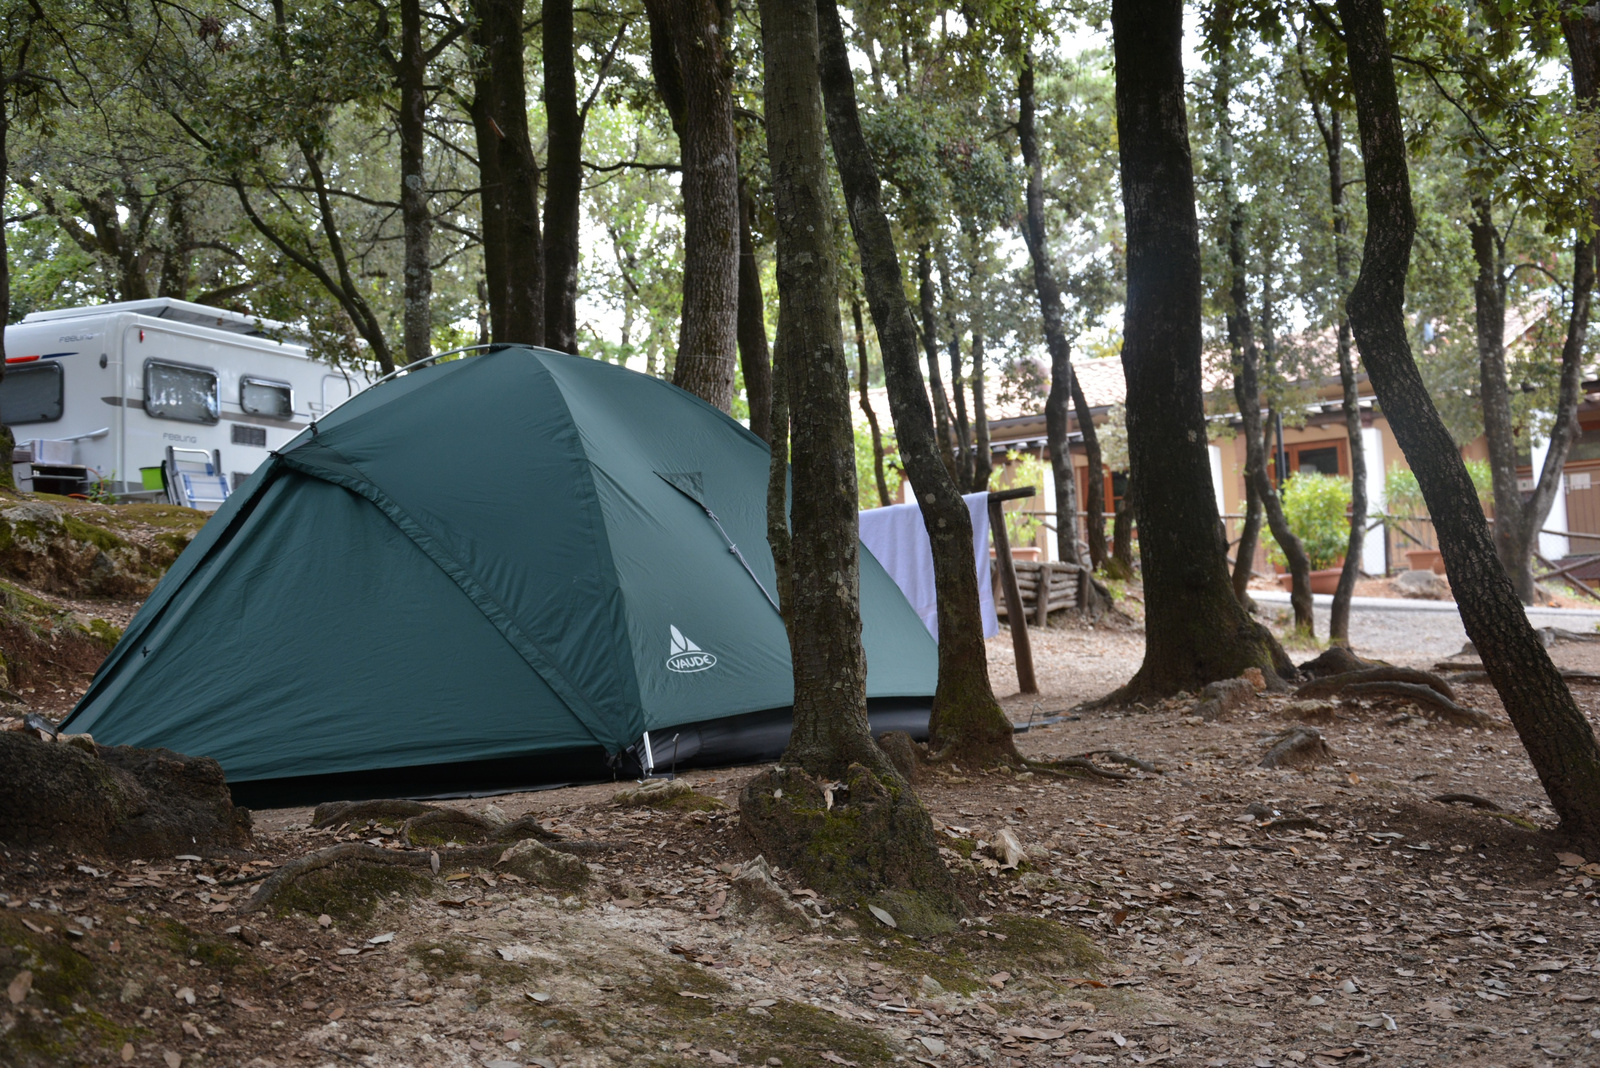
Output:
x=685 y=657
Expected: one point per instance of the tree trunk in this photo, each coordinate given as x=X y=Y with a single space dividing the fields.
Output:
x=884 y=500
x=1489 y=315
x=1049 y=293
x=175 y=272
x=1244 y=557
x=1339 y=618
x=1559 y=740
x=982 y=460
x=7 y=439
x=958 y=393
x=494 y=293
x=564 y=167
x=823 y=609
x=1122 y=521
x=966 y=723
x=1094 y=500
x=688 y=53
x=515 y=172
x=930 y=343
x=1242 y=341
x=754 y=358
x=416 y=226
x=1195 y=630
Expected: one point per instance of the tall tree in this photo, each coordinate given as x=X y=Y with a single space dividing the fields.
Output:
x=1241 y=333
x=564 y=175
x=1557 y=736
x=513 y=248
x=688 y=53
x=982 y=460
x=1056 y=405
x=966 y=722
x=823 y=607
x=862 y=381
x=1195 y=630
x=1330 y=125
x=411 y=73
x=930 y=345
x=958 y=393
x=755 y=361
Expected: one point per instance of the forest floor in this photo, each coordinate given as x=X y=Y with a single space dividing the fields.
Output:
x=1215 y=913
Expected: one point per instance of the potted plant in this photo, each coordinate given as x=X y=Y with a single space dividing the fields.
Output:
x=1317 y=509
x=1403 y=500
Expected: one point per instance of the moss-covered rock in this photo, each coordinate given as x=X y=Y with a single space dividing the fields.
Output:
x=853 y=841
x=669 y=794
x=350 y=892
x=544 y=867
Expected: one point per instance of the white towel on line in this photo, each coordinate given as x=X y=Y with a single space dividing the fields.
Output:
x=896 y=536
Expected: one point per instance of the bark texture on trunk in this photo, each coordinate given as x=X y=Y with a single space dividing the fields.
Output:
x=755 y=359
x=862 y=372
x=416 y=224
x=823 y=609
x=513 y=248
x=564 y=181
x=1196 y=631
x=967 y=721
x=1057 y=404
x=1559 y=740
x=930 y=344
x=688 y=52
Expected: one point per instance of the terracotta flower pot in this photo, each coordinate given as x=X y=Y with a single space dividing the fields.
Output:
x=1426 y=560
x=1326 y=581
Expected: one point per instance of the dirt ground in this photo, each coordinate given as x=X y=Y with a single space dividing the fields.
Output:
x=1215 y=913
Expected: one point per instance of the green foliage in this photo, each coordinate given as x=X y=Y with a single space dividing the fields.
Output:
x=1024 y=469
x=1317 y=508
x=1403 y=496
x=866 y=476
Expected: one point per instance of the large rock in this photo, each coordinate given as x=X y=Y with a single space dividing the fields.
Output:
x=1421 y=585
x=115 y=800
x=56 y=550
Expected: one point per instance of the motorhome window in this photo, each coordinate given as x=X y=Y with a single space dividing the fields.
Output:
x=31 y=394
x=177 y=391
x=261 y=397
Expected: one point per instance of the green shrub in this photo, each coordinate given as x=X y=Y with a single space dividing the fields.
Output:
x=1317 y=508
x=1403 y=497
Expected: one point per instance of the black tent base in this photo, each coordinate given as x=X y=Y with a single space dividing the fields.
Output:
x=751 y=738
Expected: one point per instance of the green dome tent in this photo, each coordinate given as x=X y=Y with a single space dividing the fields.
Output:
x=483 y=575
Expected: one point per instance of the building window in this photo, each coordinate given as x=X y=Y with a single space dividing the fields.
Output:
x=1323 y=457
x=31 y=393
x=179 y=391
x=260 y=396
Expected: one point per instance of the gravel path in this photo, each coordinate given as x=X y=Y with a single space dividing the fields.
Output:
x=1406 y=632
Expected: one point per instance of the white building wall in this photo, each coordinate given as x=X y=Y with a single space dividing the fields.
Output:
x=1553 y=546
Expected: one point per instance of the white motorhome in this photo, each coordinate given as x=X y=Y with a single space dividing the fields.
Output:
x=109 y=389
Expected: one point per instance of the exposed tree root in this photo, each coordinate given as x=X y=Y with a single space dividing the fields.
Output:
x=1336 y=660
x=1468 y=799
x=1328 y=685
x=364 y=853
x=1425 y=698
x=1121 y=758
x=1075 y=768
